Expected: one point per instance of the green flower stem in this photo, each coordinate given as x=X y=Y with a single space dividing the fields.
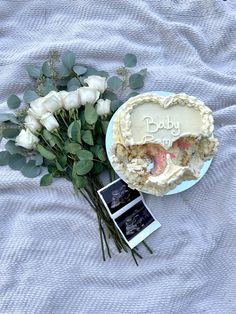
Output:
x=147 y=247
x=61 y=113
x=101 y=238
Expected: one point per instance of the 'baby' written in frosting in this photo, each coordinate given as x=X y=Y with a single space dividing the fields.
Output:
x=167 y=123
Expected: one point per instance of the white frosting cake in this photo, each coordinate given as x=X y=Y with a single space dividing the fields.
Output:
x=161 y=141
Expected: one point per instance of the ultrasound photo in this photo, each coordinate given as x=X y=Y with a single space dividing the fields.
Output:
x=118 y=195
x=134 y=220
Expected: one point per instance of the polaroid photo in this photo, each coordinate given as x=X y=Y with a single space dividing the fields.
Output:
x=117 y=197
x=129 y=212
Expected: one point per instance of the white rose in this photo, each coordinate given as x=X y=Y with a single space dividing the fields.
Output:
x=97 y=82
x=49 y=121
x=37 y=108
x=49 y=103
x=52 y=101
x=32 y=123
x=26 y=139
x=103 y=107
x=88 y=95
x=71 y=100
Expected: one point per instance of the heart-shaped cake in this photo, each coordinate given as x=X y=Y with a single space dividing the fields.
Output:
x=159 y=141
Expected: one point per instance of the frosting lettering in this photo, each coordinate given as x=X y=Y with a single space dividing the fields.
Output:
x=168 y=124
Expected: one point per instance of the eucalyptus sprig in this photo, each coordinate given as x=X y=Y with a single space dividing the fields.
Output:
x=69 y=140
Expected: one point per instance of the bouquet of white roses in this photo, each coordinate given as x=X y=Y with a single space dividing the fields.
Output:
x=62 y=126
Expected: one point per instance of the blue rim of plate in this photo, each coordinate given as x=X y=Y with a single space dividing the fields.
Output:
x=183 y=186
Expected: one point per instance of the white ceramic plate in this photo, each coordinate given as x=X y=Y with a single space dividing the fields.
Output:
x=179 y=188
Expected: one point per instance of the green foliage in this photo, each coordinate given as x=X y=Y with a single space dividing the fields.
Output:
x=16 y=162
x=13 y=149
x=72 y=148
x=73 y=84
x=130 y=60
x=33 y=71
x=48 y=86
x=114 y=82
x=68 y=59
x=132 y=94
x=38 y=160
x=46 y=179
x=115 y=104
x=13 y=102
x=136 y=81
x=90 y=114
x=30 y=96
x=104 y=126
x=80 y=182
x=4 y=157
x=79 y=69
x=30 y=169
x=45 y=152
x=10 y=132
x=74 y=131
x=85 y=154
x=83 y=167
x=109 y=95
x=46 y=69
x=87 y=137
x=63 y=71
x=5 y=117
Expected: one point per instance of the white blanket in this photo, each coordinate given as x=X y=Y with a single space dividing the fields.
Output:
x=50 y=257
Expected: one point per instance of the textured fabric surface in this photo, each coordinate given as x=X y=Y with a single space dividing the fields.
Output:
x=50 y=258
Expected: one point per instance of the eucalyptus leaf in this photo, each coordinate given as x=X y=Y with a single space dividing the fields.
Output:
x=4 y=117
x=48 y=86
x=33 y=71
x=45 y=152
x=143 y=72
x=62 y=160
x=102 y=154
x=38 y=160
x=115 y=104
x=68 y=59
x=80 y=182
x=16 y=161
x=103 y=73
x=30 y=96
x=72 y=148
x=4 y=157
x=136 y=81
x=63 y=82
x=87 y=137
x=79 y=69
x=30 y=170
x=90 y=114
x=59 y=167
x=109 y=95
x=132 y=94
x=90 y=71
x=74 y=131
x=13 y=149
x=52 y=169
x=13 y=102
x=114 y=82
x=130 y=60
x=85 y=154
x=63 y=71
x=73 y=84
x=46 y=179
x=10 y=132
x=83 y=167
x=46 y=69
